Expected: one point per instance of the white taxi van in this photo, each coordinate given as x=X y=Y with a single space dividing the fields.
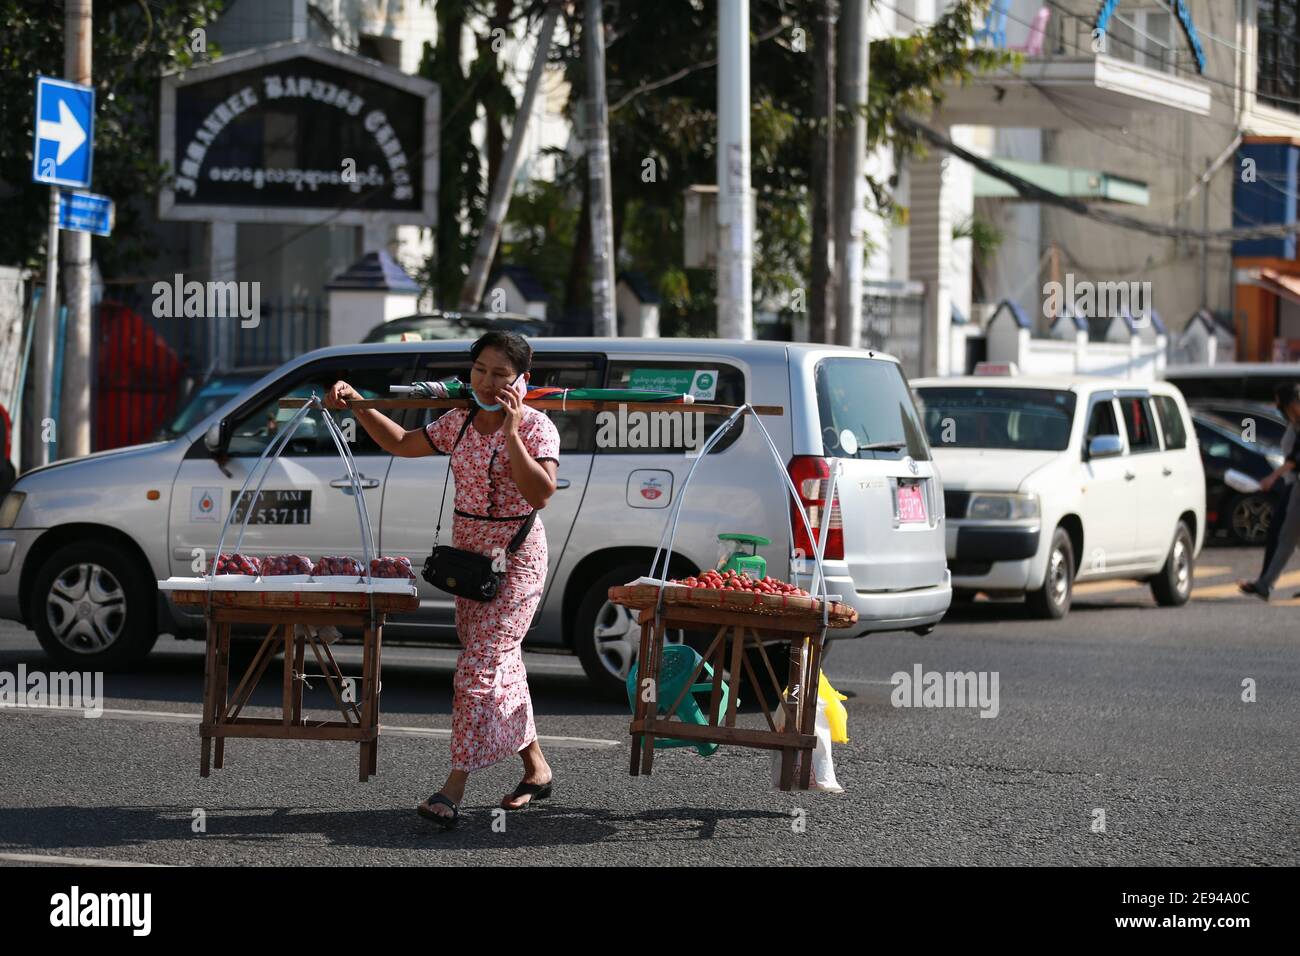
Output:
x=1049 y=481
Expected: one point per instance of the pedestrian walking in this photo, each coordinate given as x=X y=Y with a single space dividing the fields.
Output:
x=1284 y=522
x=504 y=457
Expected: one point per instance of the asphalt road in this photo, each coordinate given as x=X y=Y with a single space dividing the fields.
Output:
x=1123 y=707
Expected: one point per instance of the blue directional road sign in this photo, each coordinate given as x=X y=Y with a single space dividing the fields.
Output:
x=65 y=133
x=86 y=212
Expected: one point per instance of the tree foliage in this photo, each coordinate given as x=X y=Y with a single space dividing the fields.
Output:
x=134 y=44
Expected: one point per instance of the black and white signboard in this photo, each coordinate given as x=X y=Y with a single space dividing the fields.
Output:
x=296 y=131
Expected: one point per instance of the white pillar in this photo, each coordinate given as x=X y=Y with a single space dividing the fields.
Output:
x=930 y=255
x=735 y=220
x=222 y=251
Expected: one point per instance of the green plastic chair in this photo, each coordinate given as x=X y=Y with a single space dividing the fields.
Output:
x=679 y=661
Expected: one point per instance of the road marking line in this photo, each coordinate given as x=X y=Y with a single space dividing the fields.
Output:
x=1104 y=587
x=181 y=717
x=1221 y=591
x=69 y=860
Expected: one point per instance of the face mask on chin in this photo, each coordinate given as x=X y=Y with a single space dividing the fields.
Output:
x=497 y=406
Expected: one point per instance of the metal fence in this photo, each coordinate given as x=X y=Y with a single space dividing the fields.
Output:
x=145 y=365
x=892 y=320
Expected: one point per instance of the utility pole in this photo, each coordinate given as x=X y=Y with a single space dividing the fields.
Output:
x=735 y=218
x=821 y=298
x=850 y=173
x=604 y=321
x=471 y=294
x=73 y=427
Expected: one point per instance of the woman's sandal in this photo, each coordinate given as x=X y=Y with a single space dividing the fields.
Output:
x=534 y=791
x=446 y=822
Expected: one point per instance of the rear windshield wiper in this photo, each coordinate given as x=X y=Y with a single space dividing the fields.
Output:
x=883 y=446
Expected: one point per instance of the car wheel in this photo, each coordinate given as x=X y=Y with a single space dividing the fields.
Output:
x=94 y=608
x=1249 y=519
x=607 y=637
x=1173 y=585
x=1052 y=600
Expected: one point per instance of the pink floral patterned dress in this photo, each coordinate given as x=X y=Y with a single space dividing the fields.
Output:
x=492 y=712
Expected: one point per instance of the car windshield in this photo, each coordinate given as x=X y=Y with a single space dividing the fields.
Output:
x=1029 y=419
x=868 y=398
x=203 y=403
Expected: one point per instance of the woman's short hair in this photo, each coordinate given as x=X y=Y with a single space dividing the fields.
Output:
x=511 y=344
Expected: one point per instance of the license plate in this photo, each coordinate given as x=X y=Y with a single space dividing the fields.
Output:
x=273 y=507
x=911 y=503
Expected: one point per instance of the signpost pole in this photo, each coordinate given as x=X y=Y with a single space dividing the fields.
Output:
x=74 y=402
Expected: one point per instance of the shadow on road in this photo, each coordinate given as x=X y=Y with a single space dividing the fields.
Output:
x=55 y=828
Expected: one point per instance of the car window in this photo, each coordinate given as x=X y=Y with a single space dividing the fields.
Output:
x=1035 y=419
x=1101 y=421
x=870 y=398
x=1139 y=423
x=1171 y=422
x=672 y=430
x=1212 y=443
x=254 y=428
x=577 y=429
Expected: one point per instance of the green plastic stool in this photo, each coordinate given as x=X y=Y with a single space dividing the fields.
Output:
x=679 y=661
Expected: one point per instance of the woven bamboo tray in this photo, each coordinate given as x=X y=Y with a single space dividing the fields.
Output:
x=287 y=600
x=641 y=596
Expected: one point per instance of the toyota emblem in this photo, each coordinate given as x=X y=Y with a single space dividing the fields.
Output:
x=913 y=467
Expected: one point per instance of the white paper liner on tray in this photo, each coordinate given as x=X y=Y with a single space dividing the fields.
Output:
x=245 y=583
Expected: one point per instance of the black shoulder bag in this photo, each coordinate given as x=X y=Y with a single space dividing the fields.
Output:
x=468 y=574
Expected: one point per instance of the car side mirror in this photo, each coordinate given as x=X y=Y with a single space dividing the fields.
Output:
x=1105 y=446
x=217 y=437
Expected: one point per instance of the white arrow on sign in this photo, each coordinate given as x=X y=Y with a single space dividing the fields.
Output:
x=67 y=132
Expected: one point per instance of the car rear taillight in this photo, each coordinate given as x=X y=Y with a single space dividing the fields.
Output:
x=811 y=476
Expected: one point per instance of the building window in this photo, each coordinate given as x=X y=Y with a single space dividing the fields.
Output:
x=1279 y=33
x=1144 y=37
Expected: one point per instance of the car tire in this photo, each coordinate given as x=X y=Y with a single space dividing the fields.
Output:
x=94 y=607
x=1052 y=600
x=1248 y=519
x=1173 y=585
x=606 y=636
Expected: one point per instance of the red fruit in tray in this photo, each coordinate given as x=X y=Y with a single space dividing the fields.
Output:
x=277 y=564
x=339 y=565
x=389 y=567
x=237 y=564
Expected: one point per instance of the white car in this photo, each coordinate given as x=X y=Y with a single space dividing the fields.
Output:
x=1048 y=481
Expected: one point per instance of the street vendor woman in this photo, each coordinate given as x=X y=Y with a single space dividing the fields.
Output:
x=504 y=464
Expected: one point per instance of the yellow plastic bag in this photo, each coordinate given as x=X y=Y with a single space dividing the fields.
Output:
x=836 y=715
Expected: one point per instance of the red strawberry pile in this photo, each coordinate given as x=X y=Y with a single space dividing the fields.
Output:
x=285 y=564
x=731 y=581
x=383 y=567
x=337 y=565
x=237 y=564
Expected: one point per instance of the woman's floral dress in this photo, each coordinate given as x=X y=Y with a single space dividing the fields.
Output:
x=492 y=712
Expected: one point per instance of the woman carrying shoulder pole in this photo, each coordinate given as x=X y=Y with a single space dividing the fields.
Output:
x=504 y=463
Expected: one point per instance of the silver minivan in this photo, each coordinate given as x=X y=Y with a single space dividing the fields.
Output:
x=83 y=541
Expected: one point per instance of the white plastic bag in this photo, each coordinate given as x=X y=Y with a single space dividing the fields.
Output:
x=823 y=765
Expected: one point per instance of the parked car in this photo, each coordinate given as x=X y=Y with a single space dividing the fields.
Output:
x=1050 y=481
x=1255 y=423
x=1243 y=517
x=82 y=542
x=436 y=325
